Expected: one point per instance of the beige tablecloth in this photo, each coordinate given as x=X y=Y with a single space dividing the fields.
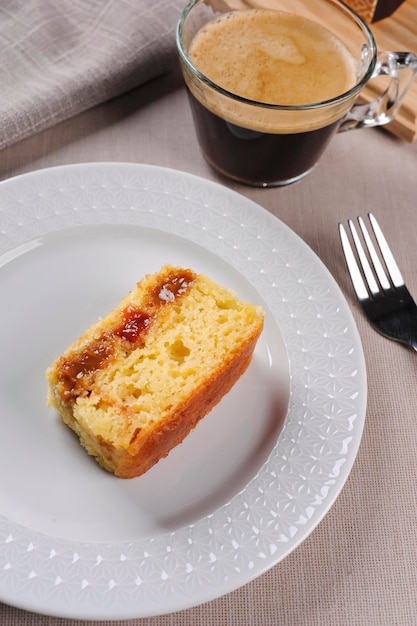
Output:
x=359 y=566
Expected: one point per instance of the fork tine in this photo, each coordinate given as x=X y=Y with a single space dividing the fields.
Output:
x=366 y=268
x=382 y=277
x=385 y=299
x=354 y=271
x=392 y=267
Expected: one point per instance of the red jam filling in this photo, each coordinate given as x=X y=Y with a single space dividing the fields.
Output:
x=135 y=323
x=76 y=372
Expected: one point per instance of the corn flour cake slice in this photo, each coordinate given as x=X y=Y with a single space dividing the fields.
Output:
x=138 y=381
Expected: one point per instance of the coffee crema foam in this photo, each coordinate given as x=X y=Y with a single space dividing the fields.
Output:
x=271 y=57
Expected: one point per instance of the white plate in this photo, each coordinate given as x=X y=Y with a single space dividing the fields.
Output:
x=241 y=492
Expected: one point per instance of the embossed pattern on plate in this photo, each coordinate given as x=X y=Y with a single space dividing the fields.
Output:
x=305 y=471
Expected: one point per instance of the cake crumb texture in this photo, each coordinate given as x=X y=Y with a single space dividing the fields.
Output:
x=138 y=381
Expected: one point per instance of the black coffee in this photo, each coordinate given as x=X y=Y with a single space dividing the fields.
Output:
x=253 y=157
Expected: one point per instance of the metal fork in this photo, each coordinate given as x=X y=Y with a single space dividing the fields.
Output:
x=380 y=287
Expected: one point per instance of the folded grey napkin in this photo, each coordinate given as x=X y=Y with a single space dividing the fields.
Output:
x=61 y=57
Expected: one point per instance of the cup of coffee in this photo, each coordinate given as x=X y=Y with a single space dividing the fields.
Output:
x=269 y=83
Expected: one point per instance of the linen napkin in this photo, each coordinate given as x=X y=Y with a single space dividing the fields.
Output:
x=59 y=58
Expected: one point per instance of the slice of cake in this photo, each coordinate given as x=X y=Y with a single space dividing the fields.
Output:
x=138 y=381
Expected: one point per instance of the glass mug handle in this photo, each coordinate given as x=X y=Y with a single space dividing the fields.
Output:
x=401 y=67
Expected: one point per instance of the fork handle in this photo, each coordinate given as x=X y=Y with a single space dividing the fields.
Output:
x=399 y=325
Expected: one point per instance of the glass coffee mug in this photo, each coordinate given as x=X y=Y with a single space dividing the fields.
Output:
x=269 y=126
